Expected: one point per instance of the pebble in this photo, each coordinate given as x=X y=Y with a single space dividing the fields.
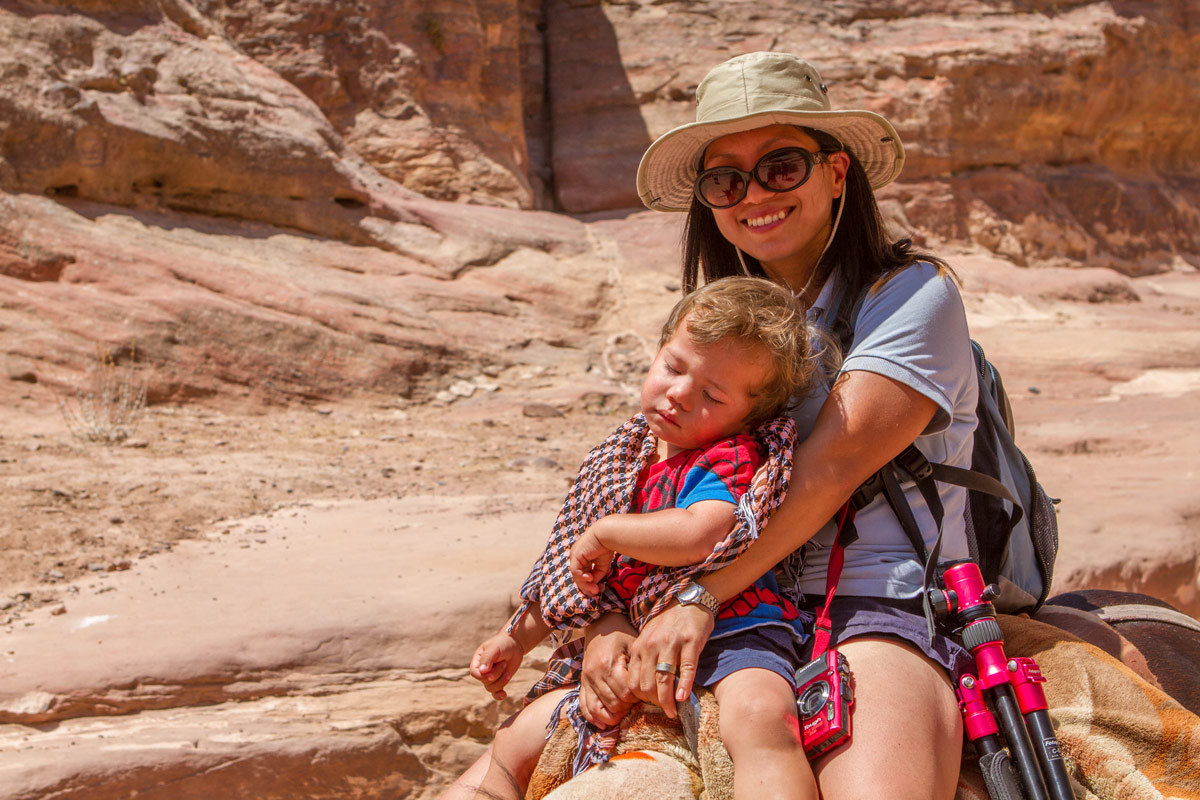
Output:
x=540 y=411
x=462 y=388
x=56 y=575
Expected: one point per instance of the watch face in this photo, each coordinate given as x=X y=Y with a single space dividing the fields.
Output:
x=690 y=593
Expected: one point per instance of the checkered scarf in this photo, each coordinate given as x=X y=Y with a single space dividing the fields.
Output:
x=605 y=485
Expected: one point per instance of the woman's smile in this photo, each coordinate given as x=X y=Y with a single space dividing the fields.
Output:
x=765 y=221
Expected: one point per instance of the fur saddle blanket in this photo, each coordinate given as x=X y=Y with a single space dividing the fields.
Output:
x=1121 y=737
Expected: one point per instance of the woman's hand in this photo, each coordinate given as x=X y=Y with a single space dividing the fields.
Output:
x=604 y=690
x=676 y=636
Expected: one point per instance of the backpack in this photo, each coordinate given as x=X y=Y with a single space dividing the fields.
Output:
x=1011 y=523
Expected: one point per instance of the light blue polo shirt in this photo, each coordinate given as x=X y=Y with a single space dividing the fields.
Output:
x=912 y=329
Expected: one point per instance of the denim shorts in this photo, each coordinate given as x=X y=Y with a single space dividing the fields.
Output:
x=770 y=647
x=898 y=619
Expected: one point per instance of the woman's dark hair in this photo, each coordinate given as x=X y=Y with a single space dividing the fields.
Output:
x=861 y=252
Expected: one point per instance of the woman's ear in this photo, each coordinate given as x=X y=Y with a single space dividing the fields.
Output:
x=839 y=163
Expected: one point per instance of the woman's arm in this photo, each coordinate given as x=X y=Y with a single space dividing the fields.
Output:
x=866 y=421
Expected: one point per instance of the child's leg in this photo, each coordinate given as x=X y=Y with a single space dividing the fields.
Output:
x=511 y=759
x=762 y=734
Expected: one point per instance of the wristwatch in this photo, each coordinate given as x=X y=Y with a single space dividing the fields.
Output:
x=696 y=595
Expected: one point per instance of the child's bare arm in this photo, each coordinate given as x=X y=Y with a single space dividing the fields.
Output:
x=530 y=630
x=672 y=537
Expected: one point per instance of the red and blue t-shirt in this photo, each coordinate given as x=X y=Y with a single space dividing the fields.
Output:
x=722 y=471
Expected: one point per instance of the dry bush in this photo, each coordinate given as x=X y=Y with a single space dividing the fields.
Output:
x=106 y=410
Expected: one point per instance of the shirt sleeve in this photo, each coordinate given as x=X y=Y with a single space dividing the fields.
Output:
x=913 y=329
x=722 y=472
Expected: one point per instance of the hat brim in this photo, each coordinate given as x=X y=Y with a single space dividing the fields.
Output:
x=667 y=171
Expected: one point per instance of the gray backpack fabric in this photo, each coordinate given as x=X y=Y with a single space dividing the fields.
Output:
x=1014 y=543
x=1011 y=523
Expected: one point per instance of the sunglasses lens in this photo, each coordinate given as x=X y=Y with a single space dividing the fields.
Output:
x=777 y=171
x=721 y=187
x=784 y=170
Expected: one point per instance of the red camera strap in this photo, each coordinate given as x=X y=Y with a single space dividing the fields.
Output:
x=823 y=626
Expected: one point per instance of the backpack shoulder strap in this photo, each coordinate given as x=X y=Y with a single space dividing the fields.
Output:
x=843 y=313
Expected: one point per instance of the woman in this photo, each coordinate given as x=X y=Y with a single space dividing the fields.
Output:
x=776 y=183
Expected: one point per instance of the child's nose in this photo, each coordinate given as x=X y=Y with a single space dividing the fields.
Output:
x=678 y=393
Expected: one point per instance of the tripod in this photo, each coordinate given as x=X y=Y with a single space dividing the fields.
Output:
x=1004 y=708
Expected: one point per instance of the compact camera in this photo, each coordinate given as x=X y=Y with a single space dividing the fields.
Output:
x=824 y=700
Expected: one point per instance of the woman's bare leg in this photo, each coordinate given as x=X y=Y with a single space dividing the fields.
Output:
x=906 y=741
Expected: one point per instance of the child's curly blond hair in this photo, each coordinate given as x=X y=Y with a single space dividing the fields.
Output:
x=758 y=313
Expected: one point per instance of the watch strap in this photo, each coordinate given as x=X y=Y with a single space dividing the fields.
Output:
x=696 y=595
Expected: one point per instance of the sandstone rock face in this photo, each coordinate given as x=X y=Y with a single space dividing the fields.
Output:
x=435 y=97
x=214 y=677
x=245 y=310
x=1048 y=133
x=258 y=202
x=178 y=168
x=125 y=106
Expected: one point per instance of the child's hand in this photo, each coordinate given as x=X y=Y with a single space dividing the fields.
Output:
x=495 y=662
x=590 y=562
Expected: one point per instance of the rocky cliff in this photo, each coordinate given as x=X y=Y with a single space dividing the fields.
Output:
x=1048 y=133
x=381 y=268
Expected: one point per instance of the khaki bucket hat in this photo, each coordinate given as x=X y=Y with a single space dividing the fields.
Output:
x=752 y=91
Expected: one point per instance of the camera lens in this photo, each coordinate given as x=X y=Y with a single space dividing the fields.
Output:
x=813 y=699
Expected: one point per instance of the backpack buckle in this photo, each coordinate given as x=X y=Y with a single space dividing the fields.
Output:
x=914 y=462
x=867 y=492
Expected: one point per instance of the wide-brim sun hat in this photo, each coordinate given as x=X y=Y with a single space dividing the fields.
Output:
x=752 y=91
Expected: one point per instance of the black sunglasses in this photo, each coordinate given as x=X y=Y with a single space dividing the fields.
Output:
x=778 y=171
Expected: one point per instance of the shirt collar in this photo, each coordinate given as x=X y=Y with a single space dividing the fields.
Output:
x=817 y=311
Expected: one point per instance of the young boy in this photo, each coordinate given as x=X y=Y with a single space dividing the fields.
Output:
x=731 y=355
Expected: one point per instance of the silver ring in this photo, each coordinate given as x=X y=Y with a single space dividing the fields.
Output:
x=663 y=666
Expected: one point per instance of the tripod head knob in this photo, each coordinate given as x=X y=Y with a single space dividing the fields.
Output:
x=943 y=603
